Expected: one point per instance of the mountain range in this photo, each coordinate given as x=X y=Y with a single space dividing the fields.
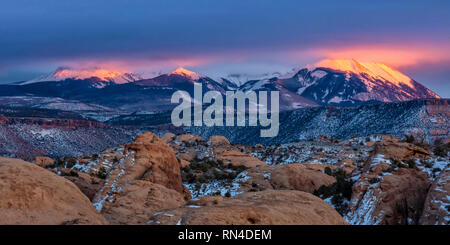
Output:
x=329 y=82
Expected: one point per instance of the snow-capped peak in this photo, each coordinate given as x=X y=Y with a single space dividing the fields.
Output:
x=64 y=73
x=186 y=73
x=375 y=70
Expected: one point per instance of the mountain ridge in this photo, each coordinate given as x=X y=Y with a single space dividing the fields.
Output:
x=330 y=82
x=63 y=73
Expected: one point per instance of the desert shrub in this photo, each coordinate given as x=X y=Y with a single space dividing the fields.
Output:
x=198 y=186
x=442 y=150
x=426 y=163
x=422 y=144
x=116 y=160
x=411 y=163
x=102 y=173
x=189 y=177
x=396 y=163
x=237 y=168
x=70 y=162
x=340 y=191
x=374 y=180
x=231 y=175
x=59 y=162
x=207 y=170
x=409 y=139
x=71 y=173
x=202 y=179
x=435 y=170
x=94 y=157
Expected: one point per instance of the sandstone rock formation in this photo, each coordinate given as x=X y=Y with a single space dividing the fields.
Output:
x=154 y=161
x=189 y=139
x=218 y=140
x=401 y=151
x=44 y=161
x=31 y=195
x=390 y=199
x=168 y=137
x=269 y=207
x=145 y=177
x=138 y=200
x=286 y=177
x=88 y=184
x=190 y=147
x=184 y=163
x=437 y=205
x=238 y=158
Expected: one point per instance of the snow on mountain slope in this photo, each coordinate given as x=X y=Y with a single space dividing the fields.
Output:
x=350 y=82
x=182 y=79
x=104 y=75
x=239 y=79
x=374 y=70
x=186 y=73
x=329 y=82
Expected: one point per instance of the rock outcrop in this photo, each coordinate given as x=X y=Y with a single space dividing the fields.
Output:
x=154 y=161
x=401 y=151
x=191 y=147
x=168 y=137
x=31 y=195
x=44 y=161
x=143 y=178
x=281 y=207
x=138 y=200
x=218 y=141
x=388 y=199
x=437 y=204
x=89 y=185
x=286 y=177
x=189 y=139
x=238 y=158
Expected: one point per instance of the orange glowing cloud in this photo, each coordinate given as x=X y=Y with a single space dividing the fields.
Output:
x=139 y=64
x=396 y=56
x=376 y=70
x=103 y=74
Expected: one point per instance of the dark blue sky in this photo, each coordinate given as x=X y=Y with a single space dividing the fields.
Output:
x=223 y=37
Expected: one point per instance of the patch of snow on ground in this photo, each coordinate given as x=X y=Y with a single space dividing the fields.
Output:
x=218 y=187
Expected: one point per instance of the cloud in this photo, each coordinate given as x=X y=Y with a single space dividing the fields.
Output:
x=213 y=36
x=397 y=55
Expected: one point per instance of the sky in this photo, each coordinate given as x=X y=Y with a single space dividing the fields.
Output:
x=219 y=38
